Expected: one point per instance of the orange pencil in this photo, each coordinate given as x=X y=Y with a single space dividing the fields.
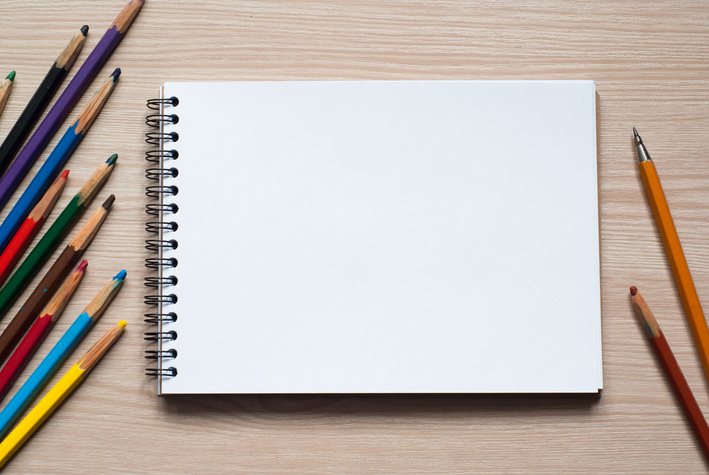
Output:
x=30 y=227
x=673 y=248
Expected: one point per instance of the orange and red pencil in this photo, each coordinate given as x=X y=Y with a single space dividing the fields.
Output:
x=672 y=371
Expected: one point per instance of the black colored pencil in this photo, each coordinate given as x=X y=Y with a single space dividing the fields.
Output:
x=40 y=99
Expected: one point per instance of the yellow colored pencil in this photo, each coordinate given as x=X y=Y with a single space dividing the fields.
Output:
x=675 y=254
x=58 y=393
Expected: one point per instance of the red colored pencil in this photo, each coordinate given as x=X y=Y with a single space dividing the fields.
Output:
x=39 y=330
x=30 y=227
x=672 y=371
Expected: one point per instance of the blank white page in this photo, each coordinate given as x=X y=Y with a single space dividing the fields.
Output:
x=385 y=237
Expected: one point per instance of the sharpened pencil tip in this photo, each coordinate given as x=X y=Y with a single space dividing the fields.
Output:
x=123 y=324
x=109 y=202
x=638 y=139
x=83 y=265
x=11 y=76
x=112 y=159
x=84 y=29
x=116 y=72
x=64 y=174
x=121 y=275
x=633 y=290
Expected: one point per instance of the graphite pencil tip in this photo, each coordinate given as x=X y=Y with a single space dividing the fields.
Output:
x=116 y=72
x=633 y=290
x=84 y=30
x=638 y=139
x=109 y=202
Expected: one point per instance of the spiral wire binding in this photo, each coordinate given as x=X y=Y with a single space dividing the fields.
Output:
x=159 y=225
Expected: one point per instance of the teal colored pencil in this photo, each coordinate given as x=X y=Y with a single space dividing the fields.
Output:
x=59 y=353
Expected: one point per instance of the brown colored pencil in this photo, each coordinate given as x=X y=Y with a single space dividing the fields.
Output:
x=672 y=371
x=51 y=281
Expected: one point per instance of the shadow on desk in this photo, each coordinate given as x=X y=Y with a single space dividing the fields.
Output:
x=478 y=405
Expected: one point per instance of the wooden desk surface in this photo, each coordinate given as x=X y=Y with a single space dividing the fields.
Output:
x=650 y=62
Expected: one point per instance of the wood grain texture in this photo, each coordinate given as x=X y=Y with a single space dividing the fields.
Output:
x=650 y=61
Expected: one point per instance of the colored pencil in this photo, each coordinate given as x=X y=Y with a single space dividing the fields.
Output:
x=46 y=406
x=41 y=98
x=52 y=279
x=51 y=239
x=56 y=160
x=59 y=353
x=30 y=227
x=672 y=370
x=39 y=330
x=56 y=115
x=675 y=254
x=5 y=88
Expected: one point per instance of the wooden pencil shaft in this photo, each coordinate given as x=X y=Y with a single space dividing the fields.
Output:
x=45 y=205
x=53 y=399
x=672 y=371
x=56 y=159
x=39 y=330
x=44 y=93
x=5 y=89
x=30 y=227
x=99 y=349
x=49 y=283
x=51 y=239
x=56 y=356
x=677 y=260
x=56 y=305
x=71 y=94
x=682 y=391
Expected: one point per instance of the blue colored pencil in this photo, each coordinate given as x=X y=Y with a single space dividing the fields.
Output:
x=56 y=161
x=59 y=353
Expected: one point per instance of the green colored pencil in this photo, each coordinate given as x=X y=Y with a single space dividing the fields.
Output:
x=5 y=88
x=54 y=235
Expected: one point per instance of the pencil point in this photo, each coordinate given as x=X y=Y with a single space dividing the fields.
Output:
x=83 y=265
x=121 y=275
x=109 y=202
x=64 y=174
x=116 y=72
x=643 y=154
x=112 y=159
x=633 y=290
x=84 y=29
x=638 y=139
x=123 y=323
x=11 y=76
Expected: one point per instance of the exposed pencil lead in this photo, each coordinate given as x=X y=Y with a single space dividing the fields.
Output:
x=11 y=76
x=109 y=202
x=84 y=29
x=643 y=155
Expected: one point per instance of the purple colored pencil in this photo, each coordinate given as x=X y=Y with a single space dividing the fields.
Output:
x=35 y=145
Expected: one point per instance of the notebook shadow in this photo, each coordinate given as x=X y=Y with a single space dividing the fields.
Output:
x=379 y=405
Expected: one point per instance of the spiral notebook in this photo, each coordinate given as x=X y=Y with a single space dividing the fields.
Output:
x=375 y=237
